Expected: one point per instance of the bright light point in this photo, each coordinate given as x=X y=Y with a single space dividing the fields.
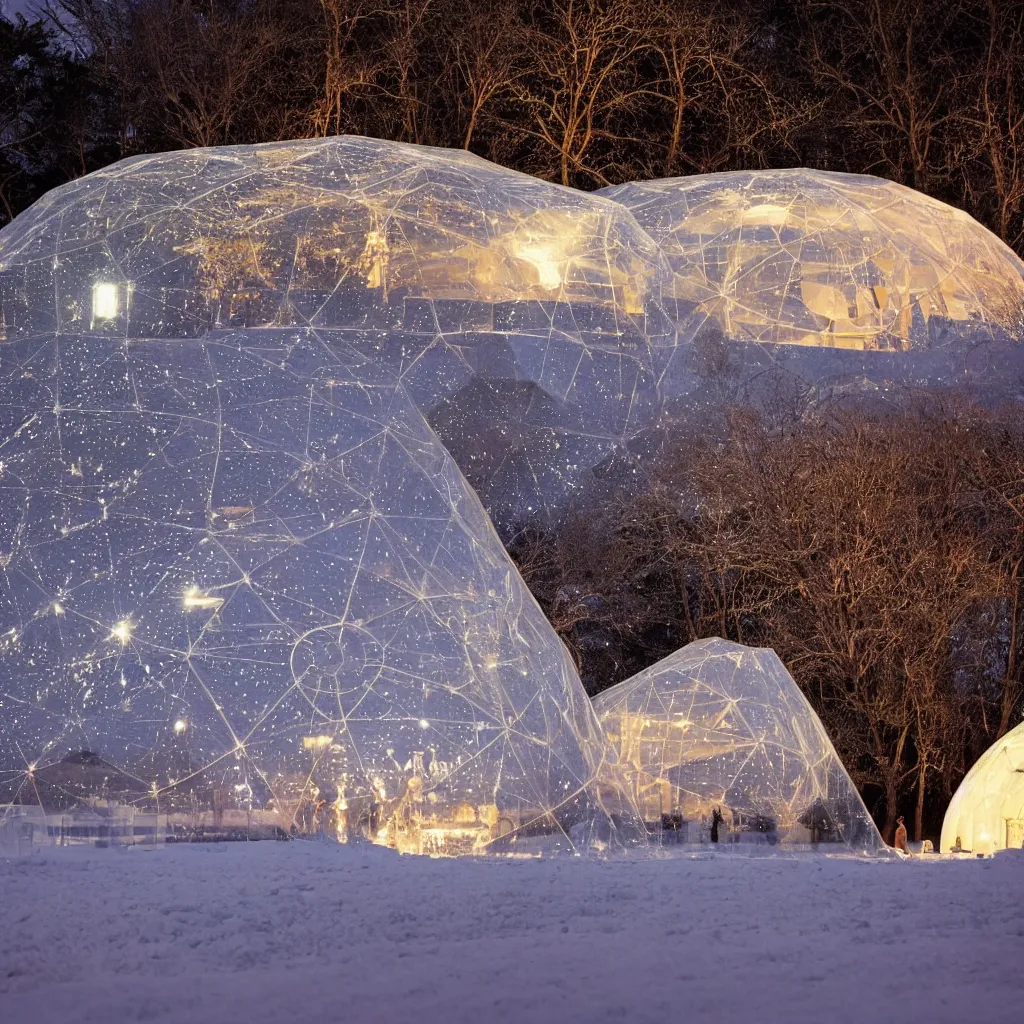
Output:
x=424 y=724
x=122 y=631
x=180 y=726
x=195 y=598
x=491 y=664
x=58 y=608
x=104 y=301
x=316 y=742
x=542 y=257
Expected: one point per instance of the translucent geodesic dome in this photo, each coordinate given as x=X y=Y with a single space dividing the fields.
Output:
x=721 y=726
x=813 y=258
x=521 y=317
x=987 y=810
x=243 y=571
x=248 y=395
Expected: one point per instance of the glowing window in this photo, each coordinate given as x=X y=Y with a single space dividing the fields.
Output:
x=104 y=301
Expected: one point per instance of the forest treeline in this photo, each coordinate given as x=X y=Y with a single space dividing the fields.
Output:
x=881 y=556
x=929 y=93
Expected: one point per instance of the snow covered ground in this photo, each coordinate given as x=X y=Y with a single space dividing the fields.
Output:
x=302 y=931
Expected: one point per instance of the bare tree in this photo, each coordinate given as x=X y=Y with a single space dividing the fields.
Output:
x=584 y=86
x=895 y=65
x=348 y=69
x=484 y=59
x=992 y=148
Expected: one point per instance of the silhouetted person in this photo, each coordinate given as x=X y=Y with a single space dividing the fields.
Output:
x=901 y=836
x=716 y=820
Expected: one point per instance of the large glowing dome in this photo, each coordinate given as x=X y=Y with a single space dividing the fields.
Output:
x=248 y=395
x=987 y=810
x=720 y=726
x=801 y=257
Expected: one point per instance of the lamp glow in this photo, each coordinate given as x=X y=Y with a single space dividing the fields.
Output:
x=104 y=301
x=316 y=742
x=122 y=631
x=544 y=260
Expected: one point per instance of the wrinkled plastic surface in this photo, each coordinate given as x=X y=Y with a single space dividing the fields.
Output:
x=246 y=572
x=816 y=258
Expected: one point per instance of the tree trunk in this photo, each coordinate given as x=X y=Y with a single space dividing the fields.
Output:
x=922 y=774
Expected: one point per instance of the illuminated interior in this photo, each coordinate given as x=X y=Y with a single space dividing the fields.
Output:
x=104 y=301
x=719 y=726
x=800 y=257
x=523 y=318
x=987 y=811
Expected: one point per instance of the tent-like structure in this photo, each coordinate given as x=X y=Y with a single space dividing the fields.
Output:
x=987 y=810
x=720 y=726
x=251 y=399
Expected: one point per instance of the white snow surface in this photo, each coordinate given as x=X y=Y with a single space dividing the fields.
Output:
x=264 y=933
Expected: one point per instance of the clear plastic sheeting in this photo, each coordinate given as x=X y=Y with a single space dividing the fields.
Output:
x=522 y=318
x=247 y=397
x=246 y=592
x=987 y=811
x=722 y=729
x=801 y=257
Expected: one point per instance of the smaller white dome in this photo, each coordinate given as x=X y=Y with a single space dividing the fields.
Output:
x=987 y=811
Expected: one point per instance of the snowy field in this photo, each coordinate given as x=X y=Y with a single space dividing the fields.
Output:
x=277 y=932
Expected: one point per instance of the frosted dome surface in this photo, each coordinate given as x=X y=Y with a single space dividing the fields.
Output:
x=800 y=257
x=987 y=810
x=244 y=570
x=521 y=317
x=720 y=725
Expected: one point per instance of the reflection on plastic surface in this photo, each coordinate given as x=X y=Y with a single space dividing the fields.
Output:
x=246 y=573
x=719 y=726
x=523 y=318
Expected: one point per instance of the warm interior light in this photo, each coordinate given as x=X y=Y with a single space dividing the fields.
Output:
x=180 y=726
x=316 y=742
x=545 y=262
x=122 y=631
x=104 y=301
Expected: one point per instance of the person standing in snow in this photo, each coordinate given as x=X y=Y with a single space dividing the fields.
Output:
x=901 y=836
x=716 y=820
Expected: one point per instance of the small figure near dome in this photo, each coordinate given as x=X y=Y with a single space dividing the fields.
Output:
x=716 y=820
x=900 y=842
